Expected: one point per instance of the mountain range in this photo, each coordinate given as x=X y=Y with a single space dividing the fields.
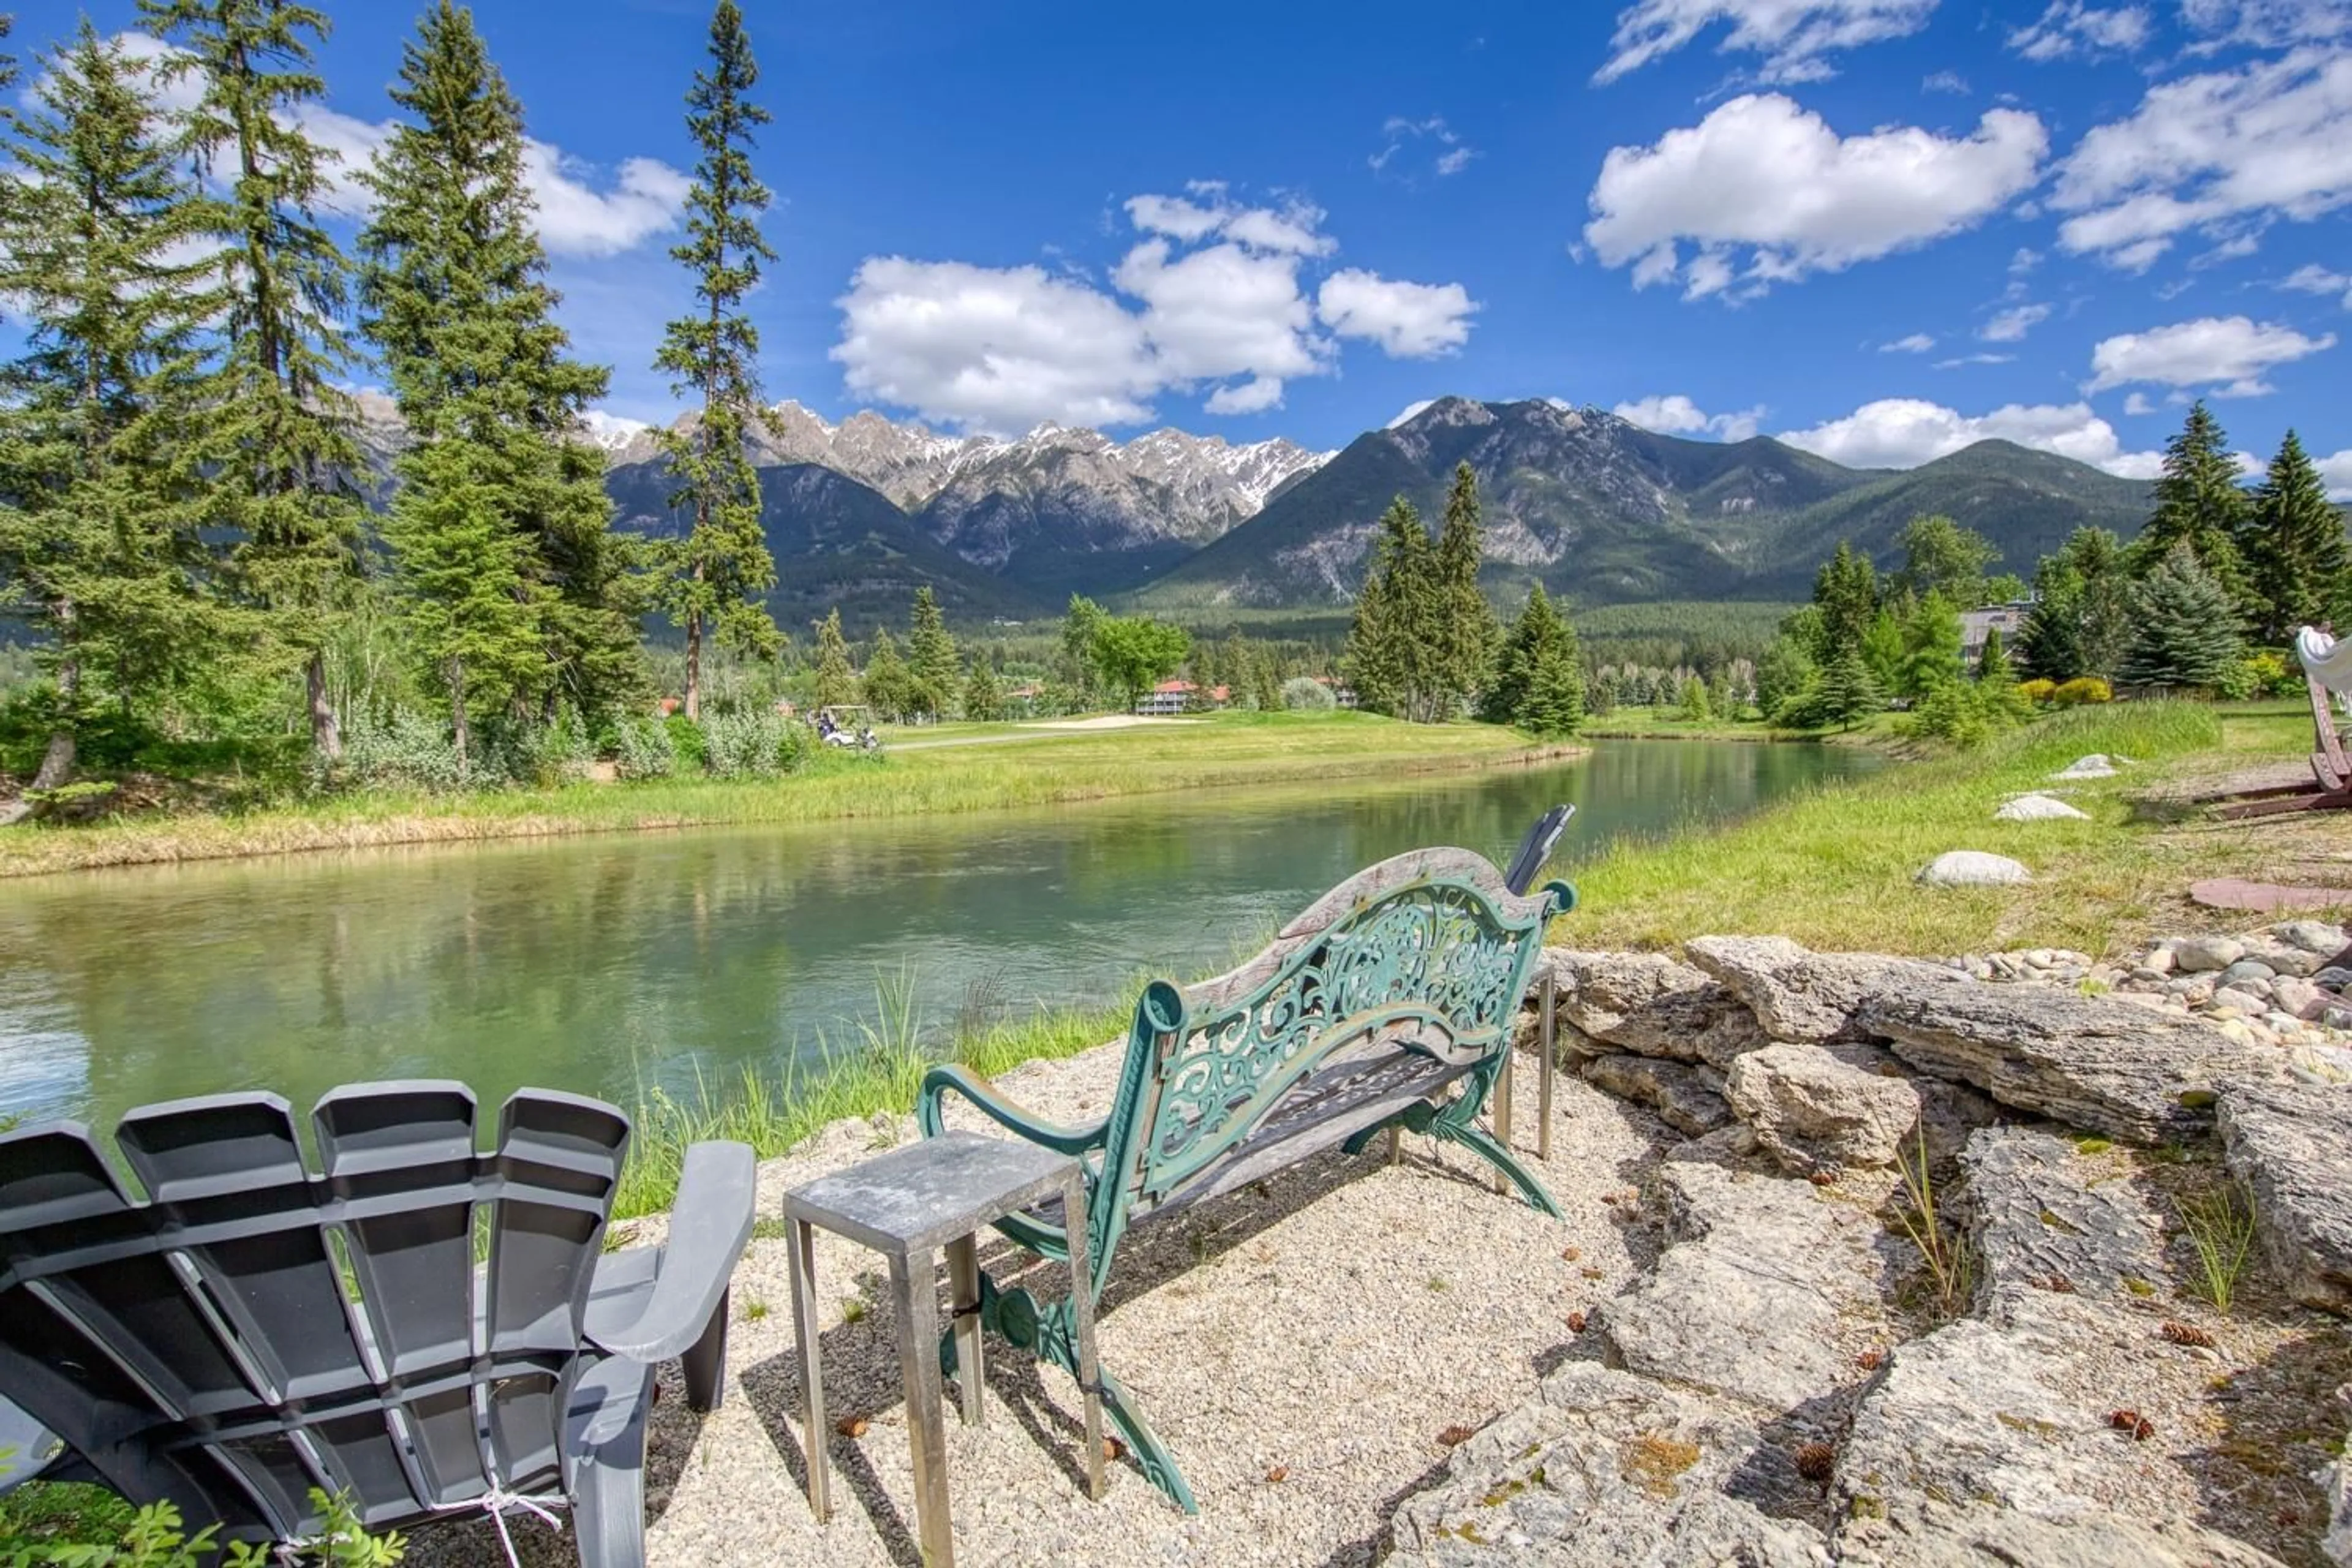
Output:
x=860 y=513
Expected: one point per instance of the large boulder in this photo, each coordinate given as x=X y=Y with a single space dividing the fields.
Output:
x=1814 y=1113
x=2289 y=1143
x=2037 y=808
x=1770 y=1291
x=1641 y=1001
x=1945 y=1535
x=2043 y=1222
x=1683 y=1098
x=1606 y=1469
x=1973 y=868
x=2127 y=1071
x=1798 y=995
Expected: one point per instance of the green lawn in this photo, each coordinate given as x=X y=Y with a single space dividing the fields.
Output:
x=1030 y=767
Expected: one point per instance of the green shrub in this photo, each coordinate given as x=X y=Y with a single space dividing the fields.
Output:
x=641 y=749
x=686 y=743
x=404 y=749
x=539 y=755
x=2037 y=691
x=2083 y=690
x=1966 y=713
x=749 y=744
x=112 y=1535
x=2265 y=674
x=1302 y=694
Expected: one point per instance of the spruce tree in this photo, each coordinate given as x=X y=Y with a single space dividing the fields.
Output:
x=983 y=696
x=452 y=285
x=1265 y=682
x=280 y=455
x=2294 y=547
x=1233 y=667
x=2198 y=504
x=1464 y=627
x=710 y=577
x=1993 y=666
x=1847 y=693
x=2050 y=644
x=1396 y=648
x=99 y=534
x=1538 y=680
x=1846 y=590
x=1695 y=705
x=2187 y=634
x=886 y=683
x=932 y=665
x=836 y=682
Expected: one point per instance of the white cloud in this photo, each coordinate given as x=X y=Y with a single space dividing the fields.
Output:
x=1791 y=34
x=2136 y=403
x=1408 y=320
x=2266 y=23
x=1210 y=299
x=2314 y=278
x=1945 y=81
x=1453 y=156
x=1406 y=414
x=1905 y=432
x=1963 y=360
x=2271 y=140
x=1762 y=174
x=1916 y=343
x=2010 y=326
x=2071 y=27
x=2337 y=471
x=2225 y=353
x=1676 y=415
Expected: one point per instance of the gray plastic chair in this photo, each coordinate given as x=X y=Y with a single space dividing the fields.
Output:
x=256 y=1328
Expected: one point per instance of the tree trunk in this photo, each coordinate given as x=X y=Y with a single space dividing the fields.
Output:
x=326 y=729
x=457 y=714
x=694 y=663
x=58 y=761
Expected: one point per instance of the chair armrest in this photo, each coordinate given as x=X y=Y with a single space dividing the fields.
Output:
x=708 y=1226
x=1058 y=1136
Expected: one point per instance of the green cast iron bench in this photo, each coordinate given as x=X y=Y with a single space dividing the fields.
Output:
x=1389 y=1004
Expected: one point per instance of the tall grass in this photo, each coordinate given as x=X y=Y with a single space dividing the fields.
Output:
x=1832 y=865
x=879 y=1068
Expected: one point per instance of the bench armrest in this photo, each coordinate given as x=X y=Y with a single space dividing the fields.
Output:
x=708 y=1226
x=1058 y=1136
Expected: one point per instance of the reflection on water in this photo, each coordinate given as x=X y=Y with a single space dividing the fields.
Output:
x=605 y=964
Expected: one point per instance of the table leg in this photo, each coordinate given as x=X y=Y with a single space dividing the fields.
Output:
x=963 y=1291
x=915 y=1297
x=801 y=1253
x=1502 y=1112
x=1082 y=1312
x=1547 y=1042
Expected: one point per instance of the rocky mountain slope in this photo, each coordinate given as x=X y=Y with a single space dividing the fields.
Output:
x=1604 y=512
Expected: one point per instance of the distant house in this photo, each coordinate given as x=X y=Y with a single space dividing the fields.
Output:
x=1974 y=624
x=1345 y=696
x=1167 y=698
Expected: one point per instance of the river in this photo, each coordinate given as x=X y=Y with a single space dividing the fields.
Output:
x=608 y=964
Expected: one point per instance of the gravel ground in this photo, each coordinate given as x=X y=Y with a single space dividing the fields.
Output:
x=1300 y=1351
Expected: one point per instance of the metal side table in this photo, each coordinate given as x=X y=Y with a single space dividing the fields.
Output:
x=906 y=1204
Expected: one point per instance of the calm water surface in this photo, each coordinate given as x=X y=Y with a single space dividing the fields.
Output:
x=605 y=965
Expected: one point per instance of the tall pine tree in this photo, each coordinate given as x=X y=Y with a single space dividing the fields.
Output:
x=1395 y=645
x=2198 y=504
x=835 y=683
x=99 y=540
x=501 y=528
x=932 y=665
x=281 y=455
x=1846 y=590
x=709 y=577
x=1465 y=628
x=2293 y=546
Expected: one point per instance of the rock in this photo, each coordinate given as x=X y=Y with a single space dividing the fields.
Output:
x=2330 y=1066
x=1798 y=995
x=2337 y=1478
x=2097 y=766
x=2289 y=960
x=1672 y=1089
x=2317 y=938
x=1811 y=1113
x=2036 y=1218
x=2300 y=997
x=1603 y=1467
x=2250 y=1004
x=1942 y=1535
x=2197 y=954
x=2036 y=808
x=2286 y=1141
x=1770 y=1289
x=2247 y=975
x=2159 y=959
x=1616 y=997
x=2333 y=978
x=2092 y=1061
x=1973 y=868
x=2336 y=1017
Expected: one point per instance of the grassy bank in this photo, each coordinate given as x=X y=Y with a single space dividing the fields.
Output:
x=1832 y=867
x=1045 y=767
x=1669 y=724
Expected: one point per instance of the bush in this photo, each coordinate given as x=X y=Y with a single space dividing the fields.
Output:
x=1302 y=694
x=2265 y=674
x=1963 y=713
x=751 y=744
x=686 y=743
x=540 y=756
x=641 y=749
x=2037 y=692
x=2083 y=690
x=404 y=749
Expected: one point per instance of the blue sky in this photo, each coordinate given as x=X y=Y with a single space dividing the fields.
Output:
x=1882 y=228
